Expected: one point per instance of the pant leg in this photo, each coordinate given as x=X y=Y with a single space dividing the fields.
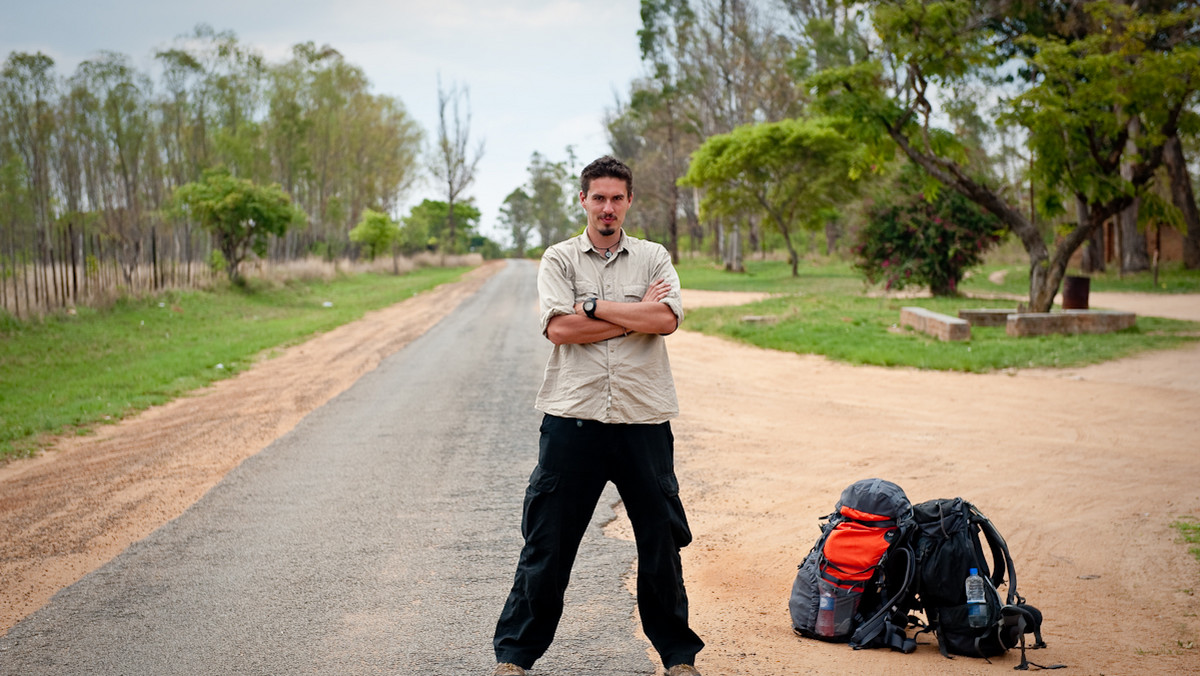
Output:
x=562 y=495
x=645 y=478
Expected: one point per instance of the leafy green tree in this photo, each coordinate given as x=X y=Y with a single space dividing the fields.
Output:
x=427 y=227
x=924 y=239
x=517 y=213
x=712 y=65
x=553 y=195
x=376 y=231
x=120 y=140
x=1075 y=99
x=789 y=171
x=27 y=91
x=241 y=215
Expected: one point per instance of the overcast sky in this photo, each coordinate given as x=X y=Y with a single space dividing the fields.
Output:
x=541 y=73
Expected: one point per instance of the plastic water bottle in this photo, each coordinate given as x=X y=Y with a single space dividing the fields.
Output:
x=976 y=599
x=826 y=609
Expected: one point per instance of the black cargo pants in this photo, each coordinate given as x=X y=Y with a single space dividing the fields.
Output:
x=577 y=459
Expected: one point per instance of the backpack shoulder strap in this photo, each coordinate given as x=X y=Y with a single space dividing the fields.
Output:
x=1000 y=555
x=880 y=622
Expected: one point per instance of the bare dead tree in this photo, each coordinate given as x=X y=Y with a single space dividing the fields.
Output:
x=453 y=164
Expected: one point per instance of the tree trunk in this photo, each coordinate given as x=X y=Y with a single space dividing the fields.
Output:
x=1134 y=256
x=793 y=255
x=673 y=225
x=733 y=252
x=832 y=234
x=1185 y=200
x=696 y=232
x=1092 y=259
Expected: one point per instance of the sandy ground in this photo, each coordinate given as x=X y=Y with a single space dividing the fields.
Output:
x=1083 y=470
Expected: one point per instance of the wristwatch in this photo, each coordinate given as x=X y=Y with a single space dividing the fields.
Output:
x=589 y=308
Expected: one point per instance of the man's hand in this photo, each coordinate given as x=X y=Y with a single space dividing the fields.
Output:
x=657 y=291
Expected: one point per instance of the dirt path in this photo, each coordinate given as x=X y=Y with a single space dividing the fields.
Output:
x=1082 y=470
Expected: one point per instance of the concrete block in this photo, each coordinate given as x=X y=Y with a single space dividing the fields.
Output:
x=986 y=316
x=943 y=327
x=1068 y=321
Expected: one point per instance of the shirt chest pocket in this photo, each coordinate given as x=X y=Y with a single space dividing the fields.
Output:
x=586 y=290
x=632 y=293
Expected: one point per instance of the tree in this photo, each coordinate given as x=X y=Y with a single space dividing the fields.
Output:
x=453 y=163
x=119 y=132
x=517 y=213
x=666 y=28
x=427 y=226
x=1075 y=100
x=788 y=171
x=376 y=231
x=553 y=196
x=27 y=86
x=336 y=147
x=241 y=215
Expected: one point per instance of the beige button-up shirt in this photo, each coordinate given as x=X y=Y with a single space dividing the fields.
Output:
x=626 y=379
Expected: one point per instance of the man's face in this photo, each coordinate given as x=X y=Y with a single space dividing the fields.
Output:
x=606 y=203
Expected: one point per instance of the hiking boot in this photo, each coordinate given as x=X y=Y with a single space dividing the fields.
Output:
x=510 y=669
x=682 y=670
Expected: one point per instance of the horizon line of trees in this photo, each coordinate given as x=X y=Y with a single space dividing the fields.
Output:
x=89 y=162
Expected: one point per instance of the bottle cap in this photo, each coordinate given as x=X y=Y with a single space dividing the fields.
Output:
x=974 y=571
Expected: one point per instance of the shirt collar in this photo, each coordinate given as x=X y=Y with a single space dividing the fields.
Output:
x=585 y=243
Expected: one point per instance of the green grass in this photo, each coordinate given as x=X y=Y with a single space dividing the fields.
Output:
x=1172 y=278
x=825 y=312
x=1189 y=532
x=72 y=372
x=772 y=277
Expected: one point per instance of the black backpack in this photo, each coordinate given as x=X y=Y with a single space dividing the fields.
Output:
x=947 y=544
x=903 y=559
x=847 y=587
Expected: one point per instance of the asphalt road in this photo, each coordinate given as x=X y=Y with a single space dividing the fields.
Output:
x=380 y=536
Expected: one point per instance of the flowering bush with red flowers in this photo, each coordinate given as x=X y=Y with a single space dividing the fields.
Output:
x=925 y=242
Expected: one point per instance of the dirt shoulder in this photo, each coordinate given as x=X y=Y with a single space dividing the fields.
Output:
x=75 y=507
x=1082 y=471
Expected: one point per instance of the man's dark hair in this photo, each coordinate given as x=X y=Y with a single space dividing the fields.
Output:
x=606 y=167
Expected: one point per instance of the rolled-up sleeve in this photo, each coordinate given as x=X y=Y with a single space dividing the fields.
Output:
x=666 y=271
x=555 y=288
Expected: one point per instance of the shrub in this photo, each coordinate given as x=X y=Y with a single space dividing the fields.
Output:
x=925 y=242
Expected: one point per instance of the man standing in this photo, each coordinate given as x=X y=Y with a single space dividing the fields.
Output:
x=607 y=300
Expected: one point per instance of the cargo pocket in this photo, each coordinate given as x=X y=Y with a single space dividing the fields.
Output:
x=541 y=485
x=678 y=519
